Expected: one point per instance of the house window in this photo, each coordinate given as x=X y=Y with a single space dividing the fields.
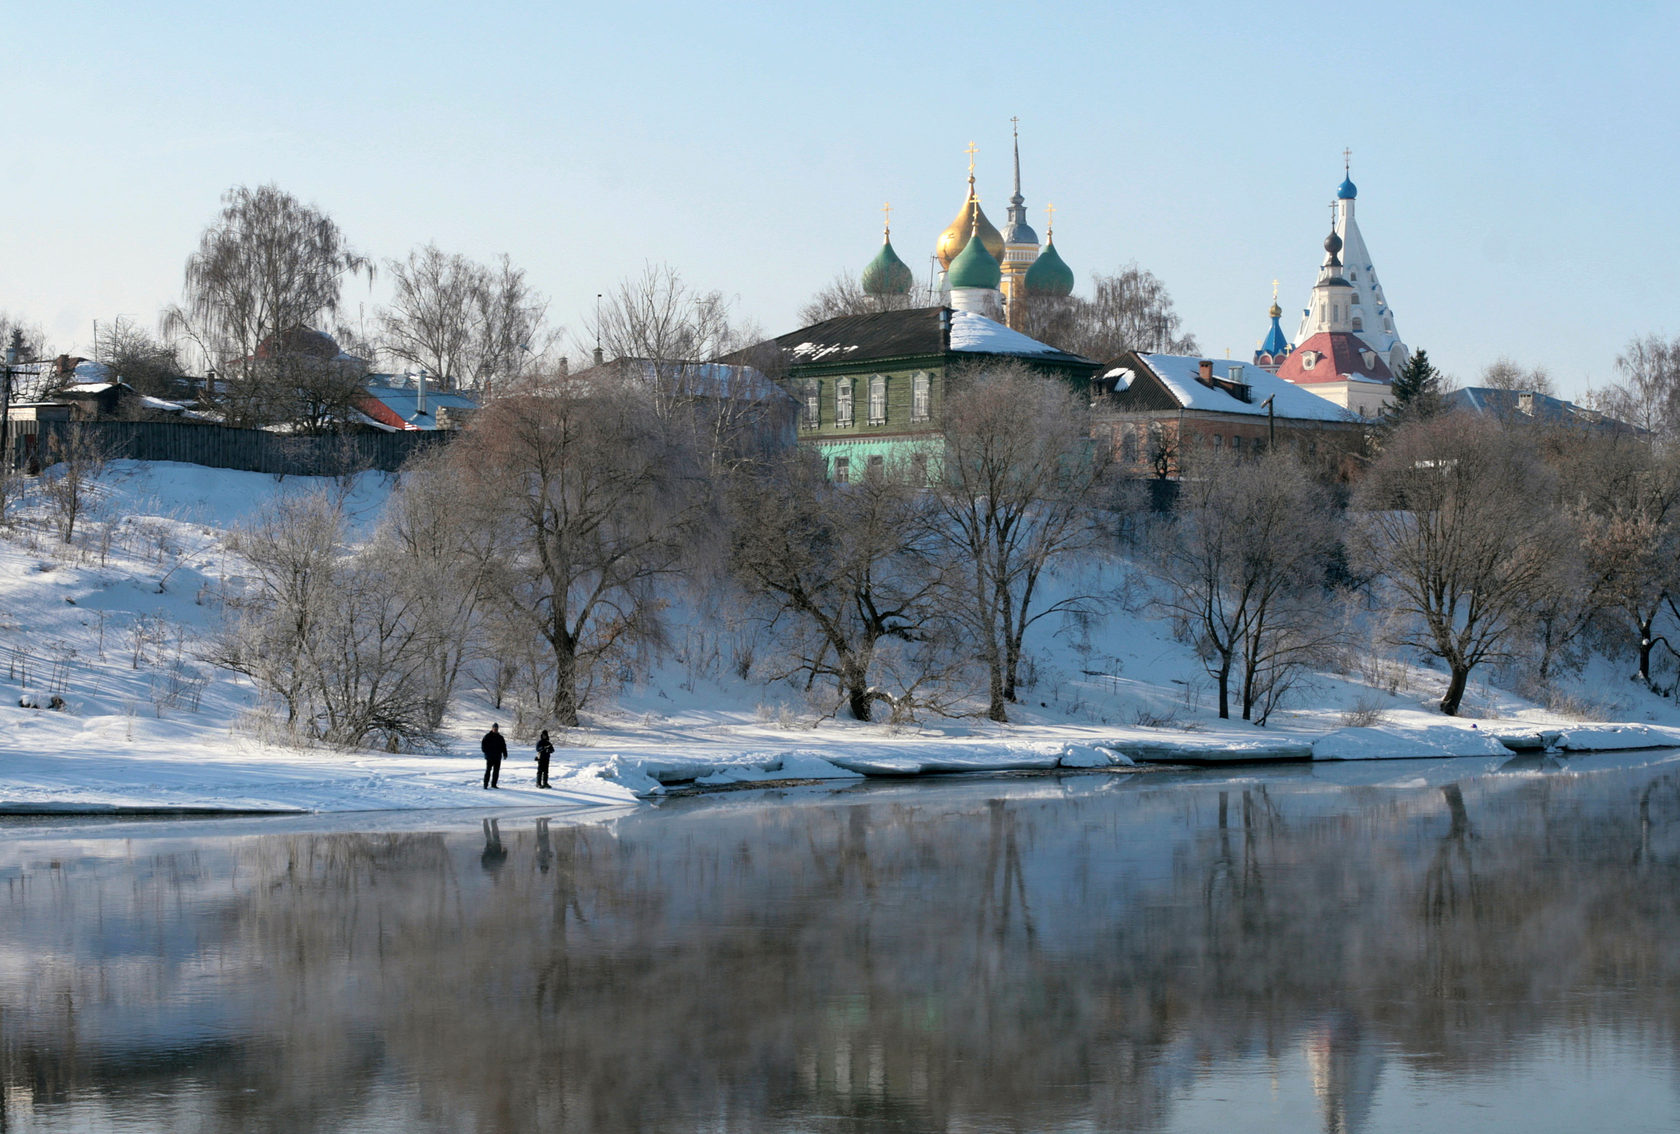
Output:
x=842 y=470
x=878 y=400
x=921 y=398
x=810 y=406
x=877 y=467
x=1358 y=323
x=1129 y=446
x=1218 y=441
x=843 y=402
x=918 y=467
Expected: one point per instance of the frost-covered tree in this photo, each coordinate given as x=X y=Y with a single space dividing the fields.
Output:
x=852 y=575
x=1016 y=488
x=1244 y=555
x=1457 y=515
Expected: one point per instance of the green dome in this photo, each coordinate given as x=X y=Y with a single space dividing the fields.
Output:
x=974 y=267
x=886 y=274
x=1049 y=275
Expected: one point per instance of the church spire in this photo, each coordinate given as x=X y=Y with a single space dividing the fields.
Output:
x=1017 y=231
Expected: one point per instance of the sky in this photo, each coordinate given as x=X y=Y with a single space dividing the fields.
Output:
x=1510 y=160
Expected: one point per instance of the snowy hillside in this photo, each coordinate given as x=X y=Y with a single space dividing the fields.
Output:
x=117 y=627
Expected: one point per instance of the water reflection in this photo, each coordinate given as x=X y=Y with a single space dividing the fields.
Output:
x=1091 y=953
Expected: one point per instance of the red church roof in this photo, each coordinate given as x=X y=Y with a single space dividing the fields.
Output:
x=1337 y=355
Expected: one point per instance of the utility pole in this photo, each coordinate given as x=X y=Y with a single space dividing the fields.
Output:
x=12 y=349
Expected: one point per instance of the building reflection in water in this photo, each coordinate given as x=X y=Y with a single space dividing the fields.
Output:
x=1034 y=954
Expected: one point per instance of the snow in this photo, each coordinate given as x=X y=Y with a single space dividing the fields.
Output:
x=112 y=627
x=1180 y=372
x=974 y=333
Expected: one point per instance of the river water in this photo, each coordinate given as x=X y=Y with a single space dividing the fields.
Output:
x=1462 y=945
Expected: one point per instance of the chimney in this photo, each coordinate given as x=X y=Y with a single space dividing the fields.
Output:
x=944 y=328
x=420 y=391
x=1205 y=377
x=599 y=357
x=1525 y=402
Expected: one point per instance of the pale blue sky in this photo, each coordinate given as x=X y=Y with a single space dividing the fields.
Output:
x=1516 y=164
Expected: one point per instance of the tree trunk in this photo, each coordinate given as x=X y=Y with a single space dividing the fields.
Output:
x=1455 y=690
x=1225 y=686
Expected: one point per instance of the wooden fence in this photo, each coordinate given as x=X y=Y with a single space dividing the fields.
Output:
x=219 y=447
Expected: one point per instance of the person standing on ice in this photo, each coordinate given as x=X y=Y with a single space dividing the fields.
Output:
x=495 y=750
x=545 y=749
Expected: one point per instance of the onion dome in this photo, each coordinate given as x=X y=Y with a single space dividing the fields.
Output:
x=1347 y=191
x=974 y=266
x=886 y=274
x=1275 y=344
x=1333 y=245
x=955 y=237
x=1049 y=274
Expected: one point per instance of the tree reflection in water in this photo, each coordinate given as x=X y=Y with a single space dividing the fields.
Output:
x=1024 y=955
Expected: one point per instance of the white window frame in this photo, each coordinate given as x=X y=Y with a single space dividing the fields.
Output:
x=810 y=409
x=877 y=399
x=843 y=401
x=842 y=470
x=921 y=397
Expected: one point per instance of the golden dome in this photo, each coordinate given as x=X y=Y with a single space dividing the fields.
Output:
x=951 y=241
x=1276 y=311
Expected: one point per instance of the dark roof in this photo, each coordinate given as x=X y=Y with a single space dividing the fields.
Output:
x=913 y=333
x=1526 y=405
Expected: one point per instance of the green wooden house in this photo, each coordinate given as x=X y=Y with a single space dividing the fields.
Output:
x=871 y=387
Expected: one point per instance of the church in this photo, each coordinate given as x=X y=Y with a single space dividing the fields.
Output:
x=1346 y=348
x=870 y=386
x=983 y=271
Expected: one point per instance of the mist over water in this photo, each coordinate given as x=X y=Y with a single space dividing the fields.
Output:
x=1281 y=951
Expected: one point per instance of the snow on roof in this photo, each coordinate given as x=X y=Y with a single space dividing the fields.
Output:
x=978 y=334
x=810 y=352
x=1123 y=377
x=90 y=372
x=1179 y=373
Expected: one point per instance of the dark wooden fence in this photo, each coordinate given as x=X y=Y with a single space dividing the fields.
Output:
x=219 y=447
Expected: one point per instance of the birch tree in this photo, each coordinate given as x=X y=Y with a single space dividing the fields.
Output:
x=266 y=270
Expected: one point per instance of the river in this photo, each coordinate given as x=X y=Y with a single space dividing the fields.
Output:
x=1455 y=945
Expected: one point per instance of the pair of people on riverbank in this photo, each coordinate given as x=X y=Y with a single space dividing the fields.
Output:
x=494 y=747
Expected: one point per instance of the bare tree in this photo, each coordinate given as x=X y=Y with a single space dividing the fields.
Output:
x=591 y=506
x=470 y=325
x=1458 y=516
x=1504 y=374
x=1244 y=556
x=76 y=460
x=1648 y=397
x=844 y=295
x=1624 y=498
x=659 y=317
x=1015 y=494
x=137 y=358
x=268 y=267
x=1130 y=310
x=852 y=573
x=337 y=635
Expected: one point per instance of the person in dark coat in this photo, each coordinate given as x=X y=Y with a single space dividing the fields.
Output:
x=545 y=749
x=495 y=751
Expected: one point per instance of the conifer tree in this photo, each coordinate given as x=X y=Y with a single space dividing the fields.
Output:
x=1417 y=388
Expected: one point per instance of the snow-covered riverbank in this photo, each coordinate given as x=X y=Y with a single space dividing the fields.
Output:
x=115 y=629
